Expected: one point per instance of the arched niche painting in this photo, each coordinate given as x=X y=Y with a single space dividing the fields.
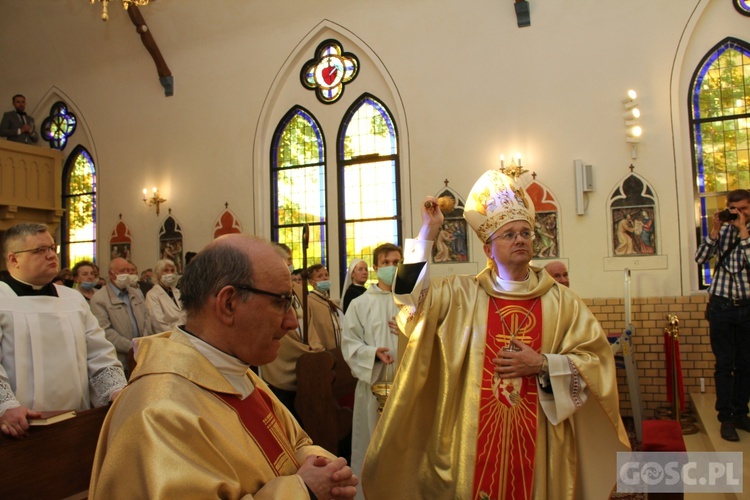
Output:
x=633 y=211
x=451 y=243
x=227 y=223
x=546 y=223
x=120 y=241
x=170 y=242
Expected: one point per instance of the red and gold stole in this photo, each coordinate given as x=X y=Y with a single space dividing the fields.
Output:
x=264 y=427
x=506 y=437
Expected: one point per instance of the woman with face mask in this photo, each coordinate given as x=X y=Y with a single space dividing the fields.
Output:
x=326 y=316
x=85 y=276
x=163 y=300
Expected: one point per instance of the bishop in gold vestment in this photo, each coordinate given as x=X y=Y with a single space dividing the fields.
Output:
x=431 y=433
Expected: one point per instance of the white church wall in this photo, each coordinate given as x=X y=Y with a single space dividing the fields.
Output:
x=472 y=86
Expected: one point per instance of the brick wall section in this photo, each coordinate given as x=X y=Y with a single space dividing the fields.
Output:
x=649 y=317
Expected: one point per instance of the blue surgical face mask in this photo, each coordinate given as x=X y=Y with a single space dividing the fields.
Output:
x=87 y=285
x=323 y=286
x=386 y=274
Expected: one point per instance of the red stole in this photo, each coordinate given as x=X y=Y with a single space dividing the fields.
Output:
x=264 y=427
x=506 y=437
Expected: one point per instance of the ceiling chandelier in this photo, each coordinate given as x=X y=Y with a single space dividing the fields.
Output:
x=125 y=5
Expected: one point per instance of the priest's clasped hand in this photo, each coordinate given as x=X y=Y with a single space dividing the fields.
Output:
x=524 y=363
x=327 y=478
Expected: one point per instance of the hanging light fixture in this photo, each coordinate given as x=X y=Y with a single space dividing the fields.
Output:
x=125 y=5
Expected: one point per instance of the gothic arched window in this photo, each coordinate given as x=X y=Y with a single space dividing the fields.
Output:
x=78 y=231
x=368 y=184
x=720 y=121
x=298 y=174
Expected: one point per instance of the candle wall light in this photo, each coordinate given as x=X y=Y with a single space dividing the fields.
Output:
x=154 y=200
x=631 y=116
x=515 y=169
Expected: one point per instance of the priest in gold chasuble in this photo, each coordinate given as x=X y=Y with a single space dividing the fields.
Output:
x=195 y=421
x=507 y=386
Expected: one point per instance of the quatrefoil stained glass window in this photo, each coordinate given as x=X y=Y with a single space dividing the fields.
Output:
x=58 y=126
x=329 y=71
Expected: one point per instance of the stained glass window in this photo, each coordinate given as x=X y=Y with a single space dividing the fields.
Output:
x=58 y=126
x=720 y=110
x=742 y=6
x=368 y=181
x=79 y=200
x=329 y=71
x=299 y=189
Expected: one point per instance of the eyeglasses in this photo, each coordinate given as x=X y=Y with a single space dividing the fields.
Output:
x=287 y=298
x=511 y=236
x=41 y=250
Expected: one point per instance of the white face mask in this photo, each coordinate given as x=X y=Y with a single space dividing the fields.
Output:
x=169 y=280
x=133 y=280
x=122 y=281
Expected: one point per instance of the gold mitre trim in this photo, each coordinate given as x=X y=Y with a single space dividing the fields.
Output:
x=495 y=200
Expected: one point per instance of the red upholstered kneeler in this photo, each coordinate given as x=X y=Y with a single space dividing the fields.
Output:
x=663 y=435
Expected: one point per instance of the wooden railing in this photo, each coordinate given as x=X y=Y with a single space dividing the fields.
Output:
x=54 y=461
x=30 y=185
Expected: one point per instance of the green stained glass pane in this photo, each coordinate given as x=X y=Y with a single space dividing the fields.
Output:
x=79 y=236
x=80 y=251
x=362 y=237
x=370 y=190
x=299 y=144
x=301 y=196
x=292 y=236
x=370 y=131
x=299 y=186
x=721 y=182
x=81 y=178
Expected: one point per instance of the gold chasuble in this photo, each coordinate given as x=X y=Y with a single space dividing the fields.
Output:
x=180 y=430
x=506 y=436
x=450 y=431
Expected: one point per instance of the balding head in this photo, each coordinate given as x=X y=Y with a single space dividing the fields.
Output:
x=559 y=272
x=237 y=295
x=228 y=259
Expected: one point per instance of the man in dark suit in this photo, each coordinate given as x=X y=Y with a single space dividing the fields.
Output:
x=16 y=125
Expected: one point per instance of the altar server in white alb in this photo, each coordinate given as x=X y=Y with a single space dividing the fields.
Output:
x=369 y=345
x=53 y=353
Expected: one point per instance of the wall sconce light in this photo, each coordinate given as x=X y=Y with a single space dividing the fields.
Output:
x=515 y=169
x=154 y=200
x=631 y=116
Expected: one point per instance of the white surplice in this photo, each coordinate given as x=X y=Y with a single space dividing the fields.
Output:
x=54 y=353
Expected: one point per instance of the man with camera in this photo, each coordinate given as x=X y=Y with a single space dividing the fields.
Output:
x=729 y=310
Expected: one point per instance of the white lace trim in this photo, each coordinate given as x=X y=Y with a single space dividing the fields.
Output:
x=104 y=383
x=7 y=398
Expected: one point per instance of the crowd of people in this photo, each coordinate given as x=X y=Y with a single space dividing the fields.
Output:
x=201 y=366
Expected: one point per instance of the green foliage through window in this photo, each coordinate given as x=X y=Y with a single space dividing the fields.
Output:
x=79 y=201
x=720 y=126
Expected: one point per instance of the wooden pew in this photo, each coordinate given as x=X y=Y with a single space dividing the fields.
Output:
x=323 y=379
x=54 y=461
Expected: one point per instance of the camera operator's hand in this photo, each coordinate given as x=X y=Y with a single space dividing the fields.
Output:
x=716 y=225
